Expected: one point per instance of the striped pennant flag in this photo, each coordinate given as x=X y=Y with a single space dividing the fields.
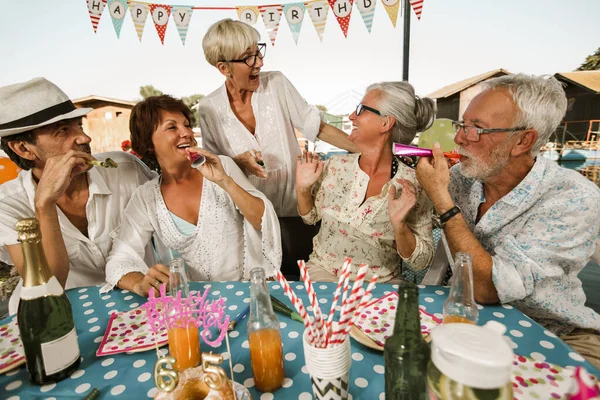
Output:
x=248 y=14
x=139 y=13
x=392 y=7
x=417 y=6
x=95 y=8
x=182 y=15
x=294 y=14
x=271 y=16
x=318 y=14
x=117 y=10
x=160 y=16
x=342 y=9
x=367 y=11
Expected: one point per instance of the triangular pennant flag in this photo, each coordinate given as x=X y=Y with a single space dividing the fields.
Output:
x=248 y=14
x=294 y=14
x=367 y=10
x=318 y=14
x=182 y=16
x=342 y=9
x=117 y=10
x=95 y=8
x=392 y=7
x=160 y=16
x=417 y=5
x=139 y=13
x=271 y=16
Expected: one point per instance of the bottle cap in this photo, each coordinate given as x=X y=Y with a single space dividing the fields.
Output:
x=28 y=229
x=475 y=356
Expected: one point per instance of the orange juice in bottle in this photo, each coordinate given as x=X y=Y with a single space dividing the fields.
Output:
x=460 y=305
x=264 y=337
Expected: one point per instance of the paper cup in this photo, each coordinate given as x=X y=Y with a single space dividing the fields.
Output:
x=329 y=369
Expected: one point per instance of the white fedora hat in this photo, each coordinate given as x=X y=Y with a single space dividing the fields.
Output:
x=33 y=104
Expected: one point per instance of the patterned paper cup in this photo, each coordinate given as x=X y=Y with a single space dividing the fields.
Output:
x=329 y=369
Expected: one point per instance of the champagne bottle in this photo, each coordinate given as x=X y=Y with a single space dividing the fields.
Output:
x=405 y=352
x=44 y=315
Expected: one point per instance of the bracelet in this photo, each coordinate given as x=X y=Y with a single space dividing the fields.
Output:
x=445 y=217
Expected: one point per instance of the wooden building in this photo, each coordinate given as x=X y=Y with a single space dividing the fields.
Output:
x=108 y=123
x=583 y=93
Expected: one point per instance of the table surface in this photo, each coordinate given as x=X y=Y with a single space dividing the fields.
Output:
x=130 y=375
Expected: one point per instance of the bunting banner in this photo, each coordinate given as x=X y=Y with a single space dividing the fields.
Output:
x=392 y=7
x=95 y=8
x=160 y=16
x=342 y=9
x=271 y=16
x=182 y=15
x=139 y=13
x=294 y=15
x=248 y=14
x=117 y=10
x=417 y=6
x=367 y=11
x=318 y=11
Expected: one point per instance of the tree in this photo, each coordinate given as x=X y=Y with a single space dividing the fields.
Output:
x=149 y=90
x=591 y=63
x=321 y=107
x=191 y=101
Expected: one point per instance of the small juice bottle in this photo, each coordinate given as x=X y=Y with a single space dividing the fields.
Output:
x=264 y=337
x=184 y=343
x=460 y=306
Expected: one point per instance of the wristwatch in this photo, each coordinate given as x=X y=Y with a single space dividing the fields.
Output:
x=445 y=217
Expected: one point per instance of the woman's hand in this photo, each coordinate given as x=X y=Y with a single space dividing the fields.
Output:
x=212 y=169
x=399 y=208
x=248 y=161
x=154 y=278
x=308 y=170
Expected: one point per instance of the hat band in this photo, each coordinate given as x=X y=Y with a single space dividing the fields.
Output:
x=41 y=116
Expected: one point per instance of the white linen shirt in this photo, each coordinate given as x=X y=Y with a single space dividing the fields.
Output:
x=224 y=246
x=278 y=109
x=540 y=236
x=109 y=192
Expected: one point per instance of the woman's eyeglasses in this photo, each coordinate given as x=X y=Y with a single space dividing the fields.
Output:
x=361 y=107
x=250 y=60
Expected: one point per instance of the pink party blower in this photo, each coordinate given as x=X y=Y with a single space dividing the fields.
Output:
x=411 y=151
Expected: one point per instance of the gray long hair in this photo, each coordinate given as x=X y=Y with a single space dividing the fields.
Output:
x=541 y=101
x=413 y=114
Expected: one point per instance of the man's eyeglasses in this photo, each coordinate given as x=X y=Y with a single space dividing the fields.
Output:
x=473 y=132
x=361 y=107
x=250 y=60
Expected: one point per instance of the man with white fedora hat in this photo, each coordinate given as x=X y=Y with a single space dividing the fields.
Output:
x=78 y=206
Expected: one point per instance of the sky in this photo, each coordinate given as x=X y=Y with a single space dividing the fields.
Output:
x=454 y=40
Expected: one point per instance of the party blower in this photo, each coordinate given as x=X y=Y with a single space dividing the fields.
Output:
x=412 y=151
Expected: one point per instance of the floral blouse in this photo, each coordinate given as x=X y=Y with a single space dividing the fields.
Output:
x=351 y=227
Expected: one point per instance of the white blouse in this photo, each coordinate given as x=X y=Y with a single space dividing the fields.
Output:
x=278 y=109
x=224 y=246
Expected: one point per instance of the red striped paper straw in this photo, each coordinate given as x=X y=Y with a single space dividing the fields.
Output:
x=312 y=296
x=363 y=303
x=345 y=272
x=298 y=305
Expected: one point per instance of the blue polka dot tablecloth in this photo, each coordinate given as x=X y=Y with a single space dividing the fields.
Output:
x=129 y=376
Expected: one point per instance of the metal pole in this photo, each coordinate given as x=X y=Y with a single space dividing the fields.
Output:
x=406 y=58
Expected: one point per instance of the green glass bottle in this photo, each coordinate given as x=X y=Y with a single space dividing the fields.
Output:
x=44 y=315
x=405 y=352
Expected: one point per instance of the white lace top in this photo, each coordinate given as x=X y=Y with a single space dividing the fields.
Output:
x=224 y=246
x=279 y=109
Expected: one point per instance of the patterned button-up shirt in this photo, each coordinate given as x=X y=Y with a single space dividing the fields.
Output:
x=540 y=236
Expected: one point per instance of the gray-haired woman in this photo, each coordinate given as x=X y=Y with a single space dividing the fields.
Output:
x=252 y=118
x=355 y=196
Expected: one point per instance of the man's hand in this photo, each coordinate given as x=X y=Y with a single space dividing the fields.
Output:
x=58 y=174
x=154 y=278
x=248 y=161
x=308 y=170
x=434 y=176
x=398 y=208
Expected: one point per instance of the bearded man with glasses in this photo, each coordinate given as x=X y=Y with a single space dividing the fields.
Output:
x=253 y=119
x=529 y=224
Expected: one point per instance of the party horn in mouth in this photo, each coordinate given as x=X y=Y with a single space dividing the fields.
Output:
x=411 y=151
x=196 y=158
x=108 y=163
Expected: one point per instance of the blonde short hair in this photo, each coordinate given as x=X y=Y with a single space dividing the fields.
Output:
x=227 y=40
